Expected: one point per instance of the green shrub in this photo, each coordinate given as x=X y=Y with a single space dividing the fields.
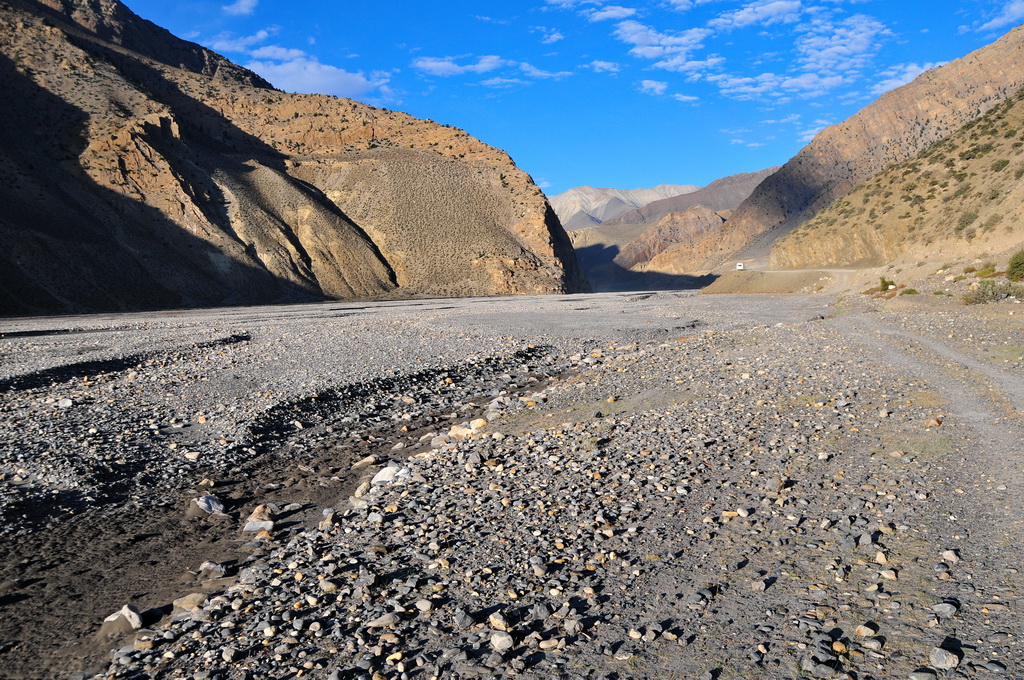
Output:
x=992 y=291
x=1000 y=165
x=966 y=220
x=1015 y=270
x=885 y=284
x=909 y=291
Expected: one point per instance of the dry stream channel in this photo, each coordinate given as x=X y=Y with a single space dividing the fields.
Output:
x=630 y=485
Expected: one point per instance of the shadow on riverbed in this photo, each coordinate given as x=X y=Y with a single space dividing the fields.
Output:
x=607 y=276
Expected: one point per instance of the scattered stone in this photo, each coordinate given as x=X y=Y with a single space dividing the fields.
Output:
x=205 y=505
x=501 y=642
x=126 y=620
x=384 y=621
x=943 y=659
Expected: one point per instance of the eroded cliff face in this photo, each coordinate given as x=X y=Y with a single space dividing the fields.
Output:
x=894 y=128
x=172 y=177
x=671 y=234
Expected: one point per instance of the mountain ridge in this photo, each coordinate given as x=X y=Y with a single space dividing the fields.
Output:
x=136 y=184
x=895 y=127
x=725 y=193
x=958 y=196
x=586 y=206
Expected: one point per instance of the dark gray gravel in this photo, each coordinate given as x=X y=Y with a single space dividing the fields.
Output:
x=608 y=486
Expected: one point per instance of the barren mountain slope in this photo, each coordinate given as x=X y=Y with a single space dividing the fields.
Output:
x=726 y=193
x=586 y=206
x=671 y=232
x=894 y=128
x=131 y=182
x=961 y=196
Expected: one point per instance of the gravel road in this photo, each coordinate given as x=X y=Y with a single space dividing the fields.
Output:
x=660 y=485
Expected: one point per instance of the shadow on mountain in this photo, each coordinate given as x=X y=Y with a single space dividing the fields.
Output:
x=73 y=245
x=607 y=276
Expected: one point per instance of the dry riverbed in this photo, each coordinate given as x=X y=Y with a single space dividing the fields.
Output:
x=606 y=486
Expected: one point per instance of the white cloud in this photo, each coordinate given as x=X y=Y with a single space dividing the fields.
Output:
x=534 y=72
x=849 y=44
x=240 y=7
x=812 y=82
x=791 y=118
x=294 y=70
x=569 y=4
x=685 y=98
x=681 y=64
x=306 y=74
x=276 y=53
x=652 y=44
x=900 y=75
x=762 y=13
x=446 y=66
x=655 y=87
x=609 y=12
x=551 y=35
x=747 y=87
x=1011 y=14
x=808 y=134
x=603 y=66
x=686 y=4
x=225 y=42
x=504 y=82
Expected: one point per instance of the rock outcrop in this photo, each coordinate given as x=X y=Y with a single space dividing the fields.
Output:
x=896 y=127
x=143 y=171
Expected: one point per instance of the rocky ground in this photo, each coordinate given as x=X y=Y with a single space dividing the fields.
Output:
x=610 y=486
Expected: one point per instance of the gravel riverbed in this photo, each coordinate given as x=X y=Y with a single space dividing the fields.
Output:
x=644 y=485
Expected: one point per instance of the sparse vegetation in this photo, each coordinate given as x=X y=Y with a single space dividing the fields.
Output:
x=1015 y=269
x=992 y=291
x=949 y=191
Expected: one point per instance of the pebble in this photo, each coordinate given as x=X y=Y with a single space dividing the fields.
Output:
x=943 y=659
x=501 y=642
x=633 y=535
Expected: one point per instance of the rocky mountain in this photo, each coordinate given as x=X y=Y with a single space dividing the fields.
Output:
x=615 y=255
x=143 y=171
x=895 y=128
x=726 y=193
x=961 y=196
x=587 y=206
x=671 y=233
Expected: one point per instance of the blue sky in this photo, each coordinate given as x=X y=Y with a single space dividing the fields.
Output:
x=620 y=94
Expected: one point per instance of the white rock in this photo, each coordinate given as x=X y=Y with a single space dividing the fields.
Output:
x=211 y=505
x=501 y=642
